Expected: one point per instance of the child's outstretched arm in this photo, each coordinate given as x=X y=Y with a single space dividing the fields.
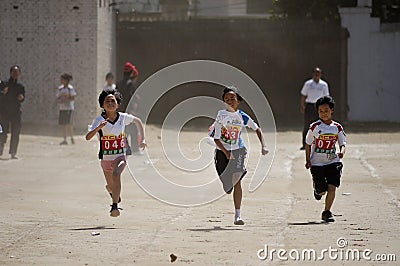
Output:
x=227 y=153
x=260 y=136
x=93 y=132
x=139 y=125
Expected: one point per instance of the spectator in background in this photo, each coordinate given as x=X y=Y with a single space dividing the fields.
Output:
x=110 y=85
x=12 y=94
x=127 y=87
x=312 y=90
x=65 y=98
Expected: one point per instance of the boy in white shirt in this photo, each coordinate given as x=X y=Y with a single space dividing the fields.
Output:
x=321 y=156
x=231 y=152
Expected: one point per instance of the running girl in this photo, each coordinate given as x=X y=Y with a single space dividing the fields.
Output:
x=110 y=127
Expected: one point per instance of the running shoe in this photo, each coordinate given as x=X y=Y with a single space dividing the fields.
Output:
x=114 y=212
x=327 y=216
x=317 y=196
x=238 y=221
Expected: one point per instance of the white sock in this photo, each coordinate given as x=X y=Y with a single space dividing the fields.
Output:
x=237 y=213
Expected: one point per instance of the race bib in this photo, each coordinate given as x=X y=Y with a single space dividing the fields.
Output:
x=230 y=134
x=326 y=144
x=113 y=144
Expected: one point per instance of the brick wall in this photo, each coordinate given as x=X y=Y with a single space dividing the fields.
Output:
x=47 y=38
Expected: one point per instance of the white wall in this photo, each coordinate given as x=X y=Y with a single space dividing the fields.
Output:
x=222 y=8
x=373 y=66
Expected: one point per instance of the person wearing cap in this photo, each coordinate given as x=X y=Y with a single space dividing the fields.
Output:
x=231 y=152
x=127 y=87
x=312 y=90
x=12 y=94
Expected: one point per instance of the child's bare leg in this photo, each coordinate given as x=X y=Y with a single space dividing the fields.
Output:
x=116 y=188
x=109 y=180
x=237 y=194
x=330 y=197
x=70 y=131
x=237 y=198
x=118 y=166
x=64 y=131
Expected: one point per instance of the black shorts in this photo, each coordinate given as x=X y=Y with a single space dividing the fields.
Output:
x=65 y=117
x=226 y=168
x=326 y=174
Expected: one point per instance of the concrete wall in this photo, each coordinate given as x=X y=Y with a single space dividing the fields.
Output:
x=373 y=66
x=47 y=38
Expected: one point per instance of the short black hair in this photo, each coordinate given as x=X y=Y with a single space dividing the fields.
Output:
x=66 y=76
x=325 y=100
x=109 y=75
x=234 y=89
x=105 y=93
x=15 y=66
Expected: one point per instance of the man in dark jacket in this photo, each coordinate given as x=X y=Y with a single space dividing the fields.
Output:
x=12 y=94
x=127 y=88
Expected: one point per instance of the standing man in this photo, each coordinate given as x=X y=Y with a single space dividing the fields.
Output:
x=127 y=87
x=312 y=90
x=12 y=95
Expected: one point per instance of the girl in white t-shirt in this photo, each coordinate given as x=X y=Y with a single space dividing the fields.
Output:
x=231 y=152
x=110 y=128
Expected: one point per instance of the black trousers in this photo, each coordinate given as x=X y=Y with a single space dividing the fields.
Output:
x=310 y=116
x=14 y=123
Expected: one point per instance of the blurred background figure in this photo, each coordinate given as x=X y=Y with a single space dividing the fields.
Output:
x=127 y=88
x=110 y=85
x=65 y=98
x=12 y=94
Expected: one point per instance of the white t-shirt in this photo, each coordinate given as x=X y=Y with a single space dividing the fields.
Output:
x=63 y=102
x=109 y=87
x=313 y=90
x=112 y=136
x=228 y=127
x=323 y=139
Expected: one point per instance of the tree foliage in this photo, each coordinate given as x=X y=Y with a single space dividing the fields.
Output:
x=325 y=10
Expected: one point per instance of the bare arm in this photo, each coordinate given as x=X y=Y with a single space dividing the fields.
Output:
x=139 y=125
x=227 y=153
x=342 y=151
x=92 y=133
x=302 y=103
x=308 y=154
x=260 y=136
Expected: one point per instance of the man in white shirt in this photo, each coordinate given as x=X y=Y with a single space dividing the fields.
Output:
x=312 y=90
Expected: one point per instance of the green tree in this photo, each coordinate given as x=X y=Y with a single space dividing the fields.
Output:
x=387 y=10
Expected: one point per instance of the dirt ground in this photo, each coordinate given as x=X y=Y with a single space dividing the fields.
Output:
x=53 y=199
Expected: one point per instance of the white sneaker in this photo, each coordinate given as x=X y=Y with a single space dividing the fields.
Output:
x=238 y=221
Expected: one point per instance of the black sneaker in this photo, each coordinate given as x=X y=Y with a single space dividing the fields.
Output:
x=327 y=216
x=114 y=212
x=64 y=142
x=317 y=196
x=302 y=148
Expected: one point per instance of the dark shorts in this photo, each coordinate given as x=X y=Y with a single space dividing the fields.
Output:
x=326 y=174
x=226 y=168
x=65 y=117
